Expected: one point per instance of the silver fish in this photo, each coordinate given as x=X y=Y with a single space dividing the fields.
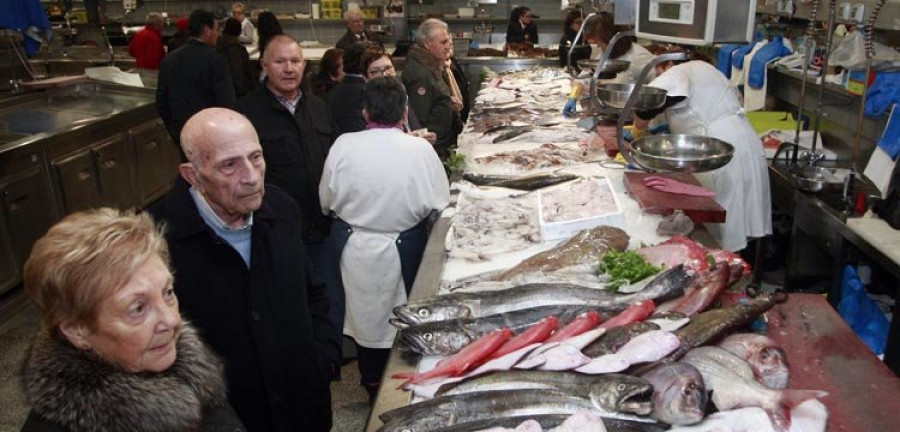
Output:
x=614 y=392
x=667 y=284
x=615 y=337
x=679 y=396
x=444 y=411
x=549 y=421
x=450 y=336
x=734 y=386
x=768 y=360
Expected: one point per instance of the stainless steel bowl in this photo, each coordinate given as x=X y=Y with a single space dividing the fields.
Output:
x=681 y=153
x=817 y=179
x=611 y=66
x=616 y=95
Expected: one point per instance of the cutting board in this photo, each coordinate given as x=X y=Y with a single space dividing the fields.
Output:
x=652 y=201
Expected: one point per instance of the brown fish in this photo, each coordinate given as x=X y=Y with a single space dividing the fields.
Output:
x=586 y=246
x=615 y=337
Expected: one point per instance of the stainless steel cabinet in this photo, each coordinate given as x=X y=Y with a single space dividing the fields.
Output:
x=156 y=161
x=97 y=176
x=27 y=205
x=9 y=268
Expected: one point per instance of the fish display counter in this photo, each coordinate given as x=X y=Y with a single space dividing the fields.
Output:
x=622 y=318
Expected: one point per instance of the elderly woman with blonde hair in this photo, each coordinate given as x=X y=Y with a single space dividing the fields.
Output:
x=113 y=352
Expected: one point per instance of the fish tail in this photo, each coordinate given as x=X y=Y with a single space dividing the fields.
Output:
x=781 y=415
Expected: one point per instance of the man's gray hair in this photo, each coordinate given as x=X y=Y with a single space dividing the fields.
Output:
x=353 y=12
x=154 y=18
x=429 y=28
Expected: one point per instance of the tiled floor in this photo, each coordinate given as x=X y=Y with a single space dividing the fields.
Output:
x=349 y=401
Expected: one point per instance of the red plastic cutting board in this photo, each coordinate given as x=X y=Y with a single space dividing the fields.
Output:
x=652 y=201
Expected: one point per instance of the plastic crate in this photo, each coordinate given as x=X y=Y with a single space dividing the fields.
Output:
x=566 y=229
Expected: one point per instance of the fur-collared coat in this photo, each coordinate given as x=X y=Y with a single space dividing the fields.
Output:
x=74 y=390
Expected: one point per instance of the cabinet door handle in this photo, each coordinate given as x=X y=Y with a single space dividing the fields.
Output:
x=151 y=145
x=16 y=203
x=108 y=163
x=84 y=175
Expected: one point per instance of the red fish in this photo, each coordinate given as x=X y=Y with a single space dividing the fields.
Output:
x=682 y=250
x=586 y=321
x=538 y=332
x=701 y=292
x=634 y=313
x=469 y=357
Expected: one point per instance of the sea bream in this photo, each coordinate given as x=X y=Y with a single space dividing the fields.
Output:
x=668 y=284
x=613 y=392
x=733 y=385
x=586 y=246
x=449 y=336
x=768 y=360
x=441 y=412
x=679 y=395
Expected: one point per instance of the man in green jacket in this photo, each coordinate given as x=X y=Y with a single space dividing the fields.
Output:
x=433 y=92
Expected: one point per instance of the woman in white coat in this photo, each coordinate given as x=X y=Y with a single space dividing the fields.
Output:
x=700 y=101
x=599 y=32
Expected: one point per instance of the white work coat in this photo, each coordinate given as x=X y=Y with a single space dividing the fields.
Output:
x=741 y=186
x=638 y=57
x=381 y=182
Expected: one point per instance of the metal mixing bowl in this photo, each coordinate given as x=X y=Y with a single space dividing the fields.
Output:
x=611 y=67
x=681 y=153
x=616 y=95
x=816 y=179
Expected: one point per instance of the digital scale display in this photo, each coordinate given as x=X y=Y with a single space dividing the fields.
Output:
x=670 y=11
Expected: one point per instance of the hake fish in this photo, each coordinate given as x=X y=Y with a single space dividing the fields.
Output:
x=668 y=284
x=527 y=183
x=449 y=336
x=516 y=131
x=549 y=421
x=586 y=246
x=612 y=392
x=441 y=412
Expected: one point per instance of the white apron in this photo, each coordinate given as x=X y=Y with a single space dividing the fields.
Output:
x=741 y=186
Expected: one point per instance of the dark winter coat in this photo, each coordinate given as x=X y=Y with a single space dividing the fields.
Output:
x=238 y=59
x=73 y=390
x=349 y=39
x=191 y=78
x=345 y=104
x=429 y=97
x=269 y=322
x=295 y=147
x=516 y=34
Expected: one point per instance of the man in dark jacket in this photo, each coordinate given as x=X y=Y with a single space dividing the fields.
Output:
x=243 y=277
x=295 y=132
x=194 y=76
x=345 y=102
x=356 y=30
x=427 y=79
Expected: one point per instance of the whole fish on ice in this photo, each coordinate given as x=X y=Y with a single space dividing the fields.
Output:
x=679 y=395
x=586 y=246
x=768 y=360
x=647 y=347
x=548 y=422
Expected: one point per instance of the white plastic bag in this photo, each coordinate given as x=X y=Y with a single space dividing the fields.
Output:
x=850 y=53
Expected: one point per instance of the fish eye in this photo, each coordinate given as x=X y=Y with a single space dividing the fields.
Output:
x=428 y=337
x=620 y=387
x=424 y=313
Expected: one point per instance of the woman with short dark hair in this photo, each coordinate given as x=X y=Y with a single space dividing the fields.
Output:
x=230 y=46
x=522 y=28
x=330 y=73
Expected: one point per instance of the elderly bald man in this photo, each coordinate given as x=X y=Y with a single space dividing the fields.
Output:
x=356 y=30
x=243 y=277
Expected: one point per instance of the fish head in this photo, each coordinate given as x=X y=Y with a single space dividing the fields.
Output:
x=772 y=367
x=623 y=393
x=680 y=396
x=430 y=311
x=435 y=338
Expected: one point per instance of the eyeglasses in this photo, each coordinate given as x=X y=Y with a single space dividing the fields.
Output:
x=381 y=71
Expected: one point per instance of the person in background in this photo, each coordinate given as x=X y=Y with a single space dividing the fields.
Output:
x=248 y=33
x=330 y=73
x=269 y=27
x=243 y=277
x=700 y=101
x=522 y=28
x=180 y=37
x=571 y=26
x=113 y=352
x=600 y=31
x=356 y=30
x=433 y=92
x=377 y=63
x=381 y=185
x=193 y=77
x=295 y=132
x=146 y=46
x=345 y=100
x=237 y=57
